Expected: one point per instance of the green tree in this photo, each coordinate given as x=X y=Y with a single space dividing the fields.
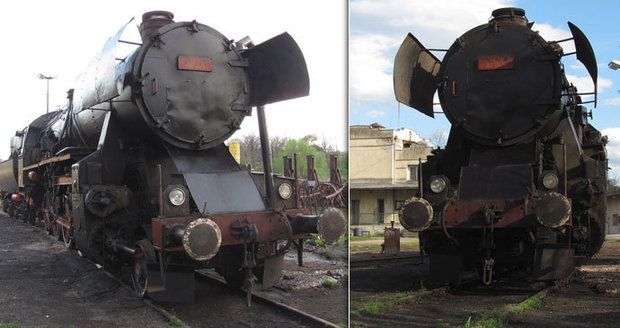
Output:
x=303 y=148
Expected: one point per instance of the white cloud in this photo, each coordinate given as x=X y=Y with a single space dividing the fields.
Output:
x=551 y=33
x=584 y=84
x=577 y=67
x=438 y=15
x=613 y=150
x=612 y=101
x=375 y=113
x=371 y=67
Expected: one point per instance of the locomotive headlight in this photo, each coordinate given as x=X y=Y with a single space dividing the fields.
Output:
x=285 y=190
x=177 y=196
x=550 y=181
x=437 y=185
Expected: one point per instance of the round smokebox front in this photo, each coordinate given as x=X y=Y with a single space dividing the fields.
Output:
x=194 y=86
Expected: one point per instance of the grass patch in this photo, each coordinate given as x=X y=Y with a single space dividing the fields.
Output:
x=9 y=325
x=331 y=283
x=376 y=248
x=527 y=305
x=498 y=318
x=410 y=245
x=488 y=321
x=377 y=304
x=175 y=321
x=314 y=240
x=362 y=238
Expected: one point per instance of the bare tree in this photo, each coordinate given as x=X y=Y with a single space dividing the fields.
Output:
x=439 y=138
x=277 y=144
x=250 y=151
x=326 y=146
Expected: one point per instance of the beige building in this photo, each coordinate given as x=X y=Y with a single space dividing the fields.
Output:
x=383 y=171
x=613 y=213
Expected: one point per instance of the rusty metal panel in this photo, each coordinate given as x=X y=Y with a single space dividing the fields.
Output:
x=270 y=226
x=63 y=181
x=391 y=240
x=471 y=214
x=7 y=176
x=20 y=172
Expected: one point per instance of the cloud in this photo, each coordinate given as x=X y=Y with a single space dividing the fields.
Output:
x=612 y=101
x=584 y=83
x=371 y=67
x=613 y=150
x=375 y=113
x=443 y=16
x=378 y=28
x=551 y=33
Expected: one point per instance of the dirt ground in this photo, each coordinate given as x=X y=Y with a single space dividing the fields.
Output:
x=301 y=288
x=45 y=286
x=398 y=294
x=591 y=300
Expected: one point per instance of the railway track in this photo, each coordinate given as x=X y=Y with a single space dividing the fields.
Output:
x=368 y=261
x=297 y=317
x=258 y=297
x=398 y=292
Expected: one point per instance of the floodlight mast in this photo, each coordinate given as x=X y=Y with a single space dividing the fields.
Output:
x=47 y=94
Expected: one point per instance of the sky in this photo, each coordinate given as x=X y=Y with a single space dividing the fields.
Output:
x=377 y=28
x=59 y=38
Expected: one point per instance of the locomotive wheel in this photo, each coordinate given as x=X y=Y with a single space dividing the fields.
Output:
x=47 y=223
x=58 y=232
x=139 y=273
x=67 y=236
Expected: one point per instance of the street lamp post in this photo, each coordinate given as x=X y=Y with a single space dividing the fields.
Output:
x=47 y=81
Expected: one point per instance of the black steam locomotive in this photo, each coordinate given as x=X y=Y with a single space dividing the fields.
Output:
x=135 y=171
x=520 y=187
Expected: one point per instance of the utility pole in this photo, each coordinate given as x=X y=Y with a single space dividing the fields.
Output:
x=47 y=95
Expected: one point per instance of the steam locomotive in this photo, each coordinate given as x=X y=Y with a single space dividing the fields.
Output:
x=134 y=169
x=520 y=188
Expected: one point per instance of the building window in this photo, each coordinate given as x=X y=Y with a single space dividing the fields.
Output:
x=615 y=219
x=380 y=211
x=412 y=173
x=399 y=204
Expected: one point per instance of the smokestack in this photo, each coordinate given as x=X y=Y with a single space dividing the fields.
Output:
x=152 y=21
x=510 y=15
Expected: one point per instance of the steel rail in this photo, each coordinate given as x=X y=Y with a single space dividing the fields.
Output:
x=366 y=262
x=265 y=300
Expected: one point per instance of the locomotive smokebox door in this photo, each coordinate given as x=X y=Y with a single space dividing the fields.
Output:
x=501 y=81
x=194 y=92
